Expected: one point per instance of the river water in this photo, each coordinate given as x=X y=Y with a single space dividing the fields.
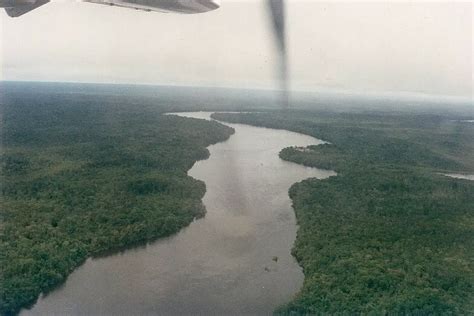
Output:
x=460 y=176
x=235 y=260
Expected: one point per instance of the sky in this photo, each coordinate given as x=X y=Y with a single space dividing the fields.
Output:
x=375 y=46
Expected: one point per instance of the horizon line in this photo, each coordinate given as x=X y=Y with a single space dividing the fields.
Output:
x=317 y=89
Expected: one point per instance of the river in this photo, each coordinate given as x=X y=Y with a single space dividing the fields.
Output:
x=235 y=260
x=460 y=176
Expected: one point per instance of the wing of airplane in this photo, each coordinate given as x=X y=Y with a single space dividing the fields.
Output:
x=177 y=6
x=15 y=8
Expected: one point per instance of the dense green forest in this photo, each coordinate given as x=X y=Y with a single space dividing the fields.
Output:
x=88 y=169
x=82 y=175
x=389 y=233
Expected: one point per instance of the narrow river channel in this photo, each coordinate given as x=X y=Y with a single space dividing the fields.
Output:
x=235 y=260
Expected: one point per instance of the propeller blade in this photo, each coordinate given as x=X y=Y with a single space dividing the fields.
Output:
x=277 y=12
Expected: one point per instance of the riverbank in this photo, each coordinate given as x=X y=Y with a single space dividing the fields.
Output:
x=388 y=234
x=82 y=178
x=236 y=260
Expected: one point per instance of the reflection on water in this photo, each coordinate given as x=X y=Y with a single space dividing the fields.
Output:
x=234 y=260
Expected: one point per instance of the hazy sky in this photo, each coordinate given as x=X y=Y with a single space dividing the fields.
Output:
x=373 y=46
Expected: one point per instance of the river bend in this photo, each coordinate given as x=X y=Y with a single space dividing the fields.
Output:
x=235 y=260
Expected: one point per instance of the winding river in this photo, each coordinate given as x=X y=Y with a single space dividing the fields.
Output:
x=235 y=260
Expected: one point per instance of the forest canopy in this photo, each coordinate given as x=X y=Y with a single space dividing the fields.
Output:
x=81 y=177
x=390 y=234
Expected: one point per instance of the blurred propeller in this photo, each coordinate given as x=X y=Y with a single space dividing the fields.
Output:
x=277 y=12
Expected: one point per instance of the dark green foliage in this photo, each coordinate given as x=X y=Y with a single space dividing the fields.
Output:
x=384 y=241
x=388 y=234
x=87 y=169
x=82 y=177
x=14 y=164
x=357 y=140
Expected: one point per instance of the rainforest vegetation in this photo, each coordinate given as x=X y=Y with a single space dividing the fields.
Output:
x=389 y=234
x=83 y=175
x=88 y=169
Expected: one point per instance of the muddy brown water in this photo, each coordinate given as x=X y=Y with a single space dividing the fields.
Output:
x=235 y=260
